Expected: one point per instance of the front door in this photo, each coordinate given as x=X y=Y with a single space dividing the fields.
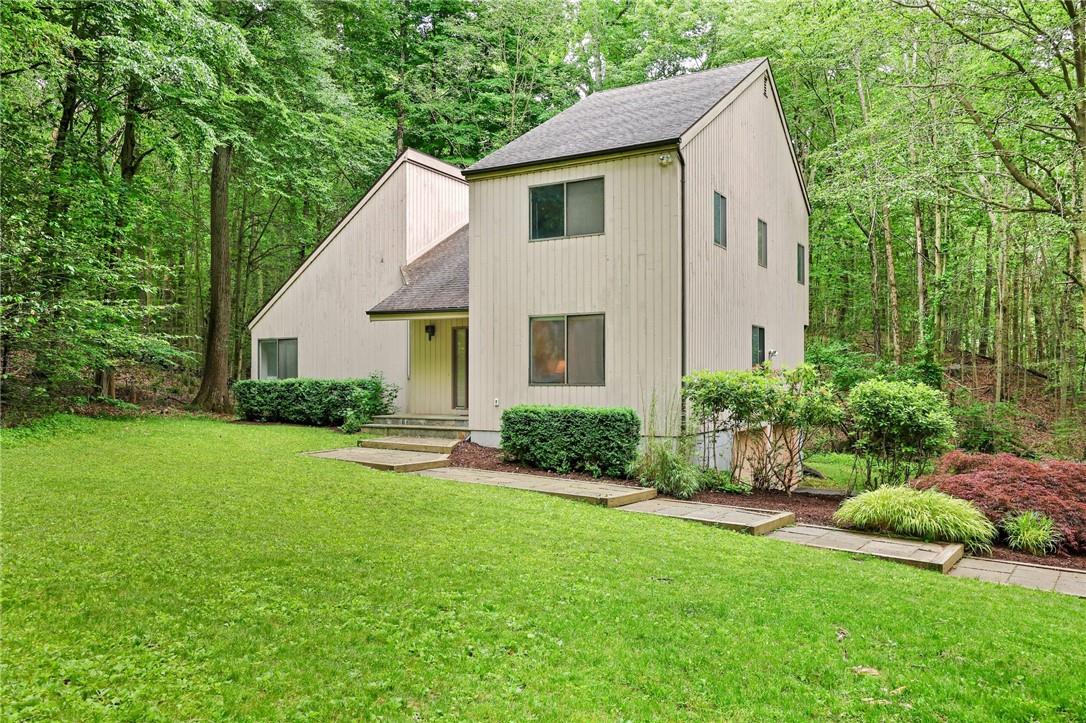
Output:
x=460 y=367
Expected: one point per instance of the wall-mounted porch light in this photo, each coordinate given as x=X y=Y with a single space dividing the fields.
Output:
x=431 y=329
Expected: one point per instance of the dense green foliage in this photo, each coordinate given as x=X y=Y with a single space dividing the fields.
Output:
x=254 y=583
x=899 y=427
x=777 y=411
x=940 y=221
x=1031 y=532
x=320 y=402
x=926 y=514
x=988 y=428
x=597 y=440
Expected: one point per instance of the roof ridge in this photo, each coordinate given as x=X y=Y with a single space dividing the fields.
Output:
x=677 y=77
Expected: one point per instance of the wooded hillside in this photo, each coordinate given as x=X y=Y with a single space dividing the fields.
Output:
x=166 y=165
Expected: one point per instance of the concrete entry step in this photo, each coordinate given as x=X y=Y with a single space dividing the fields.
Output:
x=740 y=519
x=600 y=493
x=437 y=445
x=939 y=556
x=417 y=430
x=422 y=420
x=389 y=460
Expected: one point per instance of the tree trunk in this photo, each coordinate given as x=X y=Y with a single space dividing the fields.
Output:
x=214 y=394
x=891 y=284
x=986 y=308
x=876 y=314
x=921 y=289
x=1001 y=313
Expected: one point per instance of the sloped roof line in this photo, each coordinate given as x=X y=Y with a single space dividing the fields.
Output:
x=409 y=155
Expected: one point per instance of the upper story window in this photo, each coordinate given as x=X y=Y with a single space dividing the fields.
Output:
x=763 y=244
x=720 y=220
x=801 y=264
x=278 y=359
x=574 y=208
x=566 y=350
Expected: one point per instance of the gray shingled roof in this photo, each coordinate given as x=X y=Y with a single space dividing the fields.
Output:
x=611 y=120
x=435 y=281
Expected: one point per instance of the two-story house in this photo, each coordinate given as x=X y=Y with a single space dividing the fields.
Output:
x=643 y=233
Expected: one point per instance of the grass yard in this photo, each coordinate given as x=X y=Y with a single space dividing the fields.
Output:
x=187 y=568
x=835 y=466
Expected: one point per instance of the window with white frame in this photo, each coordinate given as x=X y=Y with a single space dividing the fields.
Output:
x=566 y=350
x=278 y=358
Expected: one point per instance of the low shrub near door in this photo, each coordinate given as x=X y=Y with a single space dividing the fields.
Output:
x=319 y=402
x=596 y=440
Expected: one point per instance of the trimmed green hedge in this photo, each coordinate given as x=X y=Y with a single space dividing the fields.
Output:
x=596 y=440
x=319 y=402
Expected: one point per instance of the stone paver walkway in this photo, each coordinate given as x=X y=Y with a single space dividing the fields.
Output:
x=1005 y=572
x=600 y=493
x=944 y=557
x=741 y=519
x=931 y=555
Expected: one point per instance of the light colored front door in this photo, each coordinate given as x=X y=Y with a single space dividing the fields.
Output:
x=460 y=367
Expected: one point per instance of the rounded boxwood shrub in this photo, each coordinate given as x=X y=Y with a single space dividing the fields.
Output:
x=927 y=514
x=596 y=440
x=318 y=402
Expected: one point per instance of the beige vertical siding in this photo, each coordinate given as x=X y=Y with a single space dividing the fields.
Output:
x=743 y=154
x=325 y=305
x=429 y=390
x=630 y=273
x=437 y=205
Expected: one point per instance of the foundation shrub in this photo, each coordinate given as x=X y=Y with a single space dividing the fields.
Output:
x=317 y=402
x=596 y=440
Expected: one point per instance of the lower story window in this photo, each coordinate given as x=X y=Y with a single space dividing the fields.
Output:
x=278 y=358
x=757 y=345
x=566 y=349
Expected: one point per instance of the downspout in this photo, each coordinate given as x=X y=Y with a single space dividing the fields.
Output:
x=682 y=285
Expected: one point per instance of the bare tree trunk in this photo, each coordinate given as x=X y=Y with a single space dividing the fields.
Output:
x=214 y=394
x=986 y=308
x=891 y=283
x=1001 y=313
x=921 y=289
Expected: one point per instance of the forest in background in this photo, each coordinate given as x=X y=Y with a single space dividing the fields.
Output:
x=167 y=164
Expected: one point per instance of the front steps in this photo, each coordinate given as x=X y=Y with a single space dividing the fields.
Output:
x=436 y=445
x=441 y=426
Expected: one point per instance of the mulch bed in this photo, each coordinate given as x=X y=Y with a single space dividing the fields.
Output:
x=809 y=509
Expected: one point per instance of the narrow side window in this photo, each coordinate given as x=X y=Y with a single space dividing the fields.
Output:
x=720 y=220
x=763 y=244
x=801 y=264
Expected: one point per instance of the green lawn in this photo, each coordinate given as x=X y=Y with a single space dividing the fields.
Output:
x=836 y=466
x=184 y=568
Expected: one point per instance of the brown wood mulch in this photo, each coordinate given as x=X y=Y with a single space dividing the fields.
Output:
x=809 y=509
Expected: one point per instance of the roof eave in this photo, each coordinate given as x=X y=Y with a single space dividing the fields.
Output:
x=564 y=160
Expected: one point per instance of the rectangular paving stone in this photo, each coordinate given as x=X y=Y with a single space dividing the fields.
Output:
x=981 y=574
x=1036 y=578
x=1071 y=583
x=740 y=519
x=600 y=493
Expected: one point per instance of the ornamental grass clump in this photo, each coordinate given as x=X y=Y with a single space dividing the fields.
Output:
x=1031 y=532
x=926 y=514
